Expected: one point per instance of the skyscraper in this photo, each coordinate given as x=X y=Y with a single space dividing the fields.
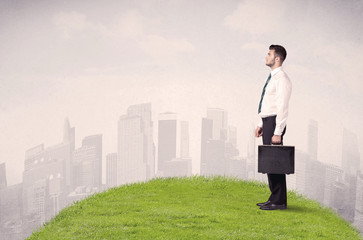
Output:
x=135 y=147
x=33 y=156
x=131 y=163
x=220 y=123
x=69 y=134
x=173 y=146
x=96 y=141
x=358 y=215
x=3 y=183
x=68 y=142
x=216 y=159
x=333 y=175
x=167 y=139
x=47 y=180
x=315 y=173
x=61 y=152
x=350 y=153
x=217 y=148
x=85 y=167
x=232 y=135
x=251 y=154
x=111 y=170
x=301 y=160
x=207 y=133
x=40 y=164
x=144 y=111
x=11 y=212
x=347 y=212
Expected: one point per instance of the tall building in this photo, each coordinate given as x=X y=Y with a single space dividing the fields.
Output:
x=358 y=215
x=85 y=164
x=207 y=133
x=47 y=180
x=251 y=161
x=131 y=164
x=111 y=170
x=333 y=175
x=135 y=146
x=57 y=195
x=315 y=172
x=185 y=159
x=350 y=191
x=144 y=111
x=232 y=135
x=96 y=141
x=33 y=171
x=40 y=198
x=350 y=153
x=173 y=146
x=68 y=142
x=218 y=143
x=305 y=164
x=69 y=134
x=220 y=123
x=231 y=154
x=215 y=155
x=339 y=203
x=351 y=166
x=11 y=212
x=33 y=156
x=37 y=196
x=61 y=152
x=167 y=139
x=232 y=161
x=3 y=183
x=301 y=161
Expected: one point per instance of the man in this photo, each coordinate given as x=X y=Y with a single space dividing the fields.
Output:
x=273 y=110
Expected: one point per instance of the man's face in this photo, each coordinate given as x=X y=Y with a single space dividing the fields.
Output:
x=270 y=58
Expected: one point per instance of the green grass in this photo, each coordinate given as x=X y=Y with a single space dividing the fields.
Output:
x=193 y=208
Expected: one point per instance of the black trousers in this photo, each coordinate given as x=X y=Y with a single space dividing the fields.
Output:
x=276 y=182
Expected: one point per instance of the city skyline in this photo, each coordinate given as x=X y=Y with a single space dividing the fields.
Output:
x=220 y=131
x=196 y=160
x=58 y=175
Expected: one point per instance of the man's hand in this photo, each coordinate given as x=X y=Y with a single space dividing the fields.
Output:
x=276 y=139
x=258 y=132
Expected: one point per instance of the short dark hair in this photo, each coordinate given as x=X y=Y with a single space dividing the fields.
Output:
x=280 y=51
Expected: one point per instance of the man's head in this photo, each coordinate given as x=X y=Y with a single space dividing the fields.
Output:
x=276 y=56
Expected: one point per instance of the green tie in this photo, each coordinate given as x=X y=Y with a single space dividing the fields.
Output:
x=263 y=93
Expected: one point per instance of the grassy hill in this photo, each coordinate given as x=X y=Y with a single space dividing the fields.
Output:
x=193 y=208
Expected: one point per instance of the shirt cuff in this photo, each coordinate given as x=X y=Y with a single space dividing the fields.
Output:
x=278 y=132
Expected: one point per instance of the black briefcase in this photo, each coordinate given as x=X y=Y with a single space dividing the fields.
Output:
x=276 y=159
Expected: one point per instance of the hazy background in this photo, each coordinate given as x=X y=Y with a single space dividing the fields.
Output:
x=90 y=60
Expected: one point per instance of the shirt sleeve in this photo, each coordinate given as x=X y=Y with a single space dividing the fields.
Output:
x=283 y=93
x=260 y=123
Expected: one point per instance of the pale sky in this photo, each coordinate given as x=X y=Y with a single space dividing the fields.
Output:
x=90 y=60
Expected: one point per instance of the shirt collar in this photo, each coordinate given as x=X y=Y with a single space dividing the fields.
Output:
x=276 y=70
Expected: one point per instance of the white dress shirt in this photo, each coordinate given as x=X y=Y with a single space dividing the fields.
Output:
x=276 y=99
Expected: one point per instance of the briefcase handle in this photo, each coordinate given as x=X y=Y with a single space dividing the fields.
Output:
x=276 y=144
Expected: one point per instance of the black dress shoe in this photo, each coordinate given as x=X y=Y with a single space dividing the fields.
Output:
x=263 y=204
x=273 y=206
